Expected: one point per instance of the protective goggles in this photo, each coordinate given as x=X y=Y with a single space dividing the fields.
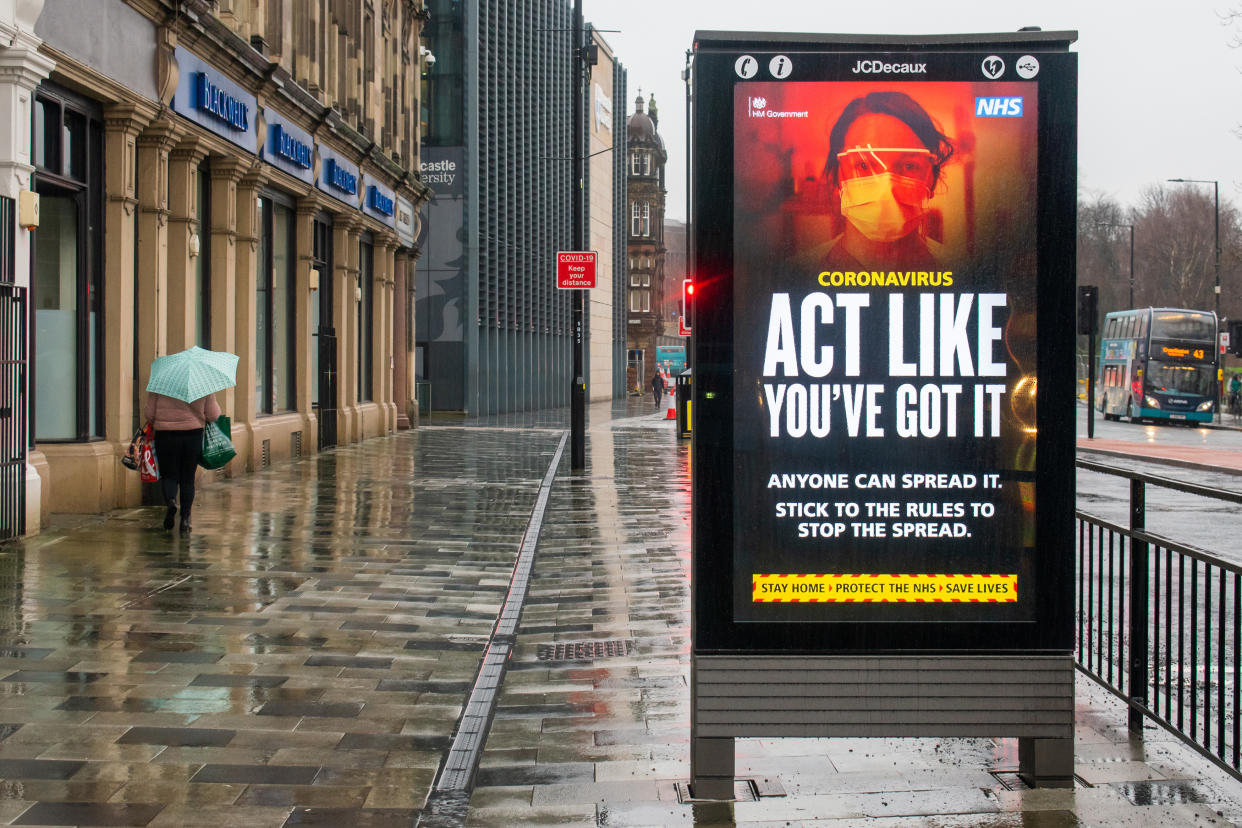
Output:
x=906 y=162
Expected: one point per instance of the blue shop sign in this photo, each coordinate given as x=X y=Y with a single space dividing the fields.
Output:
x=380 y=202
x=338 y=177
x=220 y=104
x=207 y=97
x=288 y=147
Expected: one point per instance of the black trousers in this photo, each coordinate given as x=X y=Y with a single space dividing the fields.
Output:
x=178 y=453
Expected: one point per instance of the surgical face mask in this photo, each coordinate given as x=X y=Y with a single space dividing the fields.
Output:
x=884 y=207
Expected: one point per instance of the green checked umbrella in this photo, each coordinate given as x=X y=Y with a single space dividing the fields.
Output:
x=193 y=373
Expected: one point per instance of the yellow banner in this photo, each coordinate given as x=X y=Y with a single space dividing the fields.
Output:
x=891 y=589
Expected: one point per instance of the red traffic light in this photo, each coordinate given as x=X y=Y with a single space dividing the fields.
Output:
x=687 y=306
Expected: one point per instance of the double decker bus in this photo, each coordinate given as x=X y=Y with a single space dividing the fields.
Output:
x=1158 y=364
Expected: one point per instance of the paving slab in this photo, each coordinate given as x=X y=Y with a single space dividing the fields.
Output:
x=304 y=657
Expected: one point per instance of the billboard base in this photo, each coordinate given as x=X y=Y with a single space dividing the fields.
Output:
x=1030 y=697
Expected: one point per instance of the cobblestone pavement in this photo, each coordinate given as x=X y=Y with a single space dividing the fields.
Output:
x=303 y=659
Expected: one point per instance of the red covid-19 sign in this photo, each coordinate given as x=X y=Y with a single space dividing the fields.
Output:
x=575 y=269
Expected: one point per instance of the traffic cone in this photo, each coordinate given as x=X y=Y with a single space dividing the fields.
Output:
x=671 y=414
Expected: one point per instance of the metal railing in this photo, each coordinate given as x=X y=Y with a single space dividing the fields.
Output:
x=13 y=414
x=1159 y=623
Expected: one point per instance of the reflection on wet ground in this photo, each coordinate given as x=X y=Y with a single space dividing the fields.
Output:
x=303 y=658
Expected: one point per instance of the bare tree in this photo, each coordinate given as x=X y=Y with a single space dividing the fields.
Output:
x=1175 y=229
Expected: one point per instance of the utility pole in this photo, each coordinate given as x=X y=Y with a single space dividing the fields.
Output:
x=577 y=394
x=686 y=76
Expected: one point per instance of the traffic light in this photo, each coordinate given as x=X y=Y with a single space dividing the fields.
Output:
x=1088 y=298
x=1235 y=337
x=687 y=303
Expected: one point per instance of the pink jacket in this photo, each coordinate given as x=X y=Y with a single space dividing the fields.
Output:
x=172 y=414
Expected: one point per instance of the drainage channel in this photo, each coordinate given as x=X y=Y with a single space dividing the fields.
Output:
x=449 y=800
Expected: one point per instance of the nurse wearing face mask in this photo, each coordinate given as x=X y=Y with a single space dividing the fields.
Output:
x=884 y=159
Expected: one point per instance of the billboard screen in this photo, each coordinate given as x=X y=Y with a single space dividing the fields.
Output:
x=886 y=288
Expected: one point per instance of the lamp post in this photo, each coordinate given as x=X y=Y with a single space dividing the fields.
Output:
x=1131 y=228
x=1216 y=190
x=577 y=392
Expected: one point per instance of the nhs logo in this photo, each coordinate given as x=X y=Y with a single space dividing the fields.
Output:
x=998 y=107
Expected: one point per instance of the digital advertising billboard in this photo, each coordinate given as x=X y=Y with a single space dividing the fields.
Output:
x=883 y=348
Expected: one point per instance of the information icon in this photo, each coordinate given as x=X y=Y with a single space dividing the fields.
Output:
x=780 y=67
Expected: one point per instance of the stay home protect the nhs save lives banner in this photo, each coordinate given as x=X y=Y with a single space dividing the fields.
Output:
x=884 y=294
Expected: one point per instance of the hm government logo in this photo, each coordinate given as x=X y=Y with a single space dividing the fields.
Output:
x=993 y=67
x=757 y=107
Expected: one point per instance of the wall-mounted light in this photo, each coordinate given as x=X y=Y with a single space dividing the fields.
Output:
x=314 y=280
x=358 y=293
x=28 y=209
x=196 y=245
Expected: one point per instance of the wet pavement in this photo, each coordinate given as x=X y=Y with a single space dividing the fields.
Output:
x=305 y=656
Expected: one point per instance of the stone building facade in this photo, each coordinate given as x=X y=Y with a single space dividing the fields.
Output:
x=236 y=174
x=650 y=318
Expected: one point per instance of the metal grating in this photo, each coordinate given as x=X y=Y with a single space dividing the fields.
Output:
x=295 y=444
x=744 y=790
x=8 y=254
x=585 y=650
x=266 y=454
x=1010 y=780
x=13 y=411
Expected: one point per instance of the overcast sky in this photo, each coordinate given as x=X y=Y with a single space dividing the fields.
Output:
x=1160 y=91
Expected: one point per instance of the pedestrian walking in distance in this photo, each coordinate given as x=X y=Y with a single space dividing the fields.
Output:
x=657 y=387
x=178 y=448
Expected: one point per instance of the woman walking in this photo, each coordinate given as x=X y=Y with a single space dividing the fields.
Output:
x=178 y=448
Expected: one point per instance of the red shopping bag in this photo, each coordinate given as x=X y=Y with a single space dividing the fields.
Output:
x=148 y=466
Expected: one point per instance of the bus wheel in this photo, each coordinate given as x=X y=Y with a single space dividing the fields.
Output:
x=1132 y=411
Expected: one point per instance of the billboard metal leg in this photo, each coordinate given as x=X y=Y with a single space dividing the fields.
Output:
x=1046 y=763
x=711 y=767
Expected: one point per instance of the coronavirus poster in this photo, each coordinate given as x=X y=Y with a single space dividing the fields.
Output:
x=885 y=350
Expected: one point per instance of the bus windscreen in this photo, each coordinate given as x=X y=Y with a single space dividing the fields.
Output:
x=1185 y=377
x=1193 y=327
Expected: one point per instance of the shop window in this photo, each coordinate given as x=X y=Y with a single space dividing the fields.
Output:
x=640 y=301
x=45 y=144
x=67 y=268
x=366 y=322
x=275 y=348
x=640 y=218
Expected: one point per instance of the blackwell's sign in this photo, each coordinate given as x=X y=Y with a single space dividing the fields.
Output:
x=208 y=97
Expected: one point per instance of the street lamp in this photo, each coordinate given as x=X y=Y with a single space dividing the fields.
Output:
x=1216 y=189
x=1131 y=228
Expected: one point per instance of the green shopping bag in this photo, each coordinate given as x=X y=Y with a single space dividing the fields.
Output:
x=217 y=447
